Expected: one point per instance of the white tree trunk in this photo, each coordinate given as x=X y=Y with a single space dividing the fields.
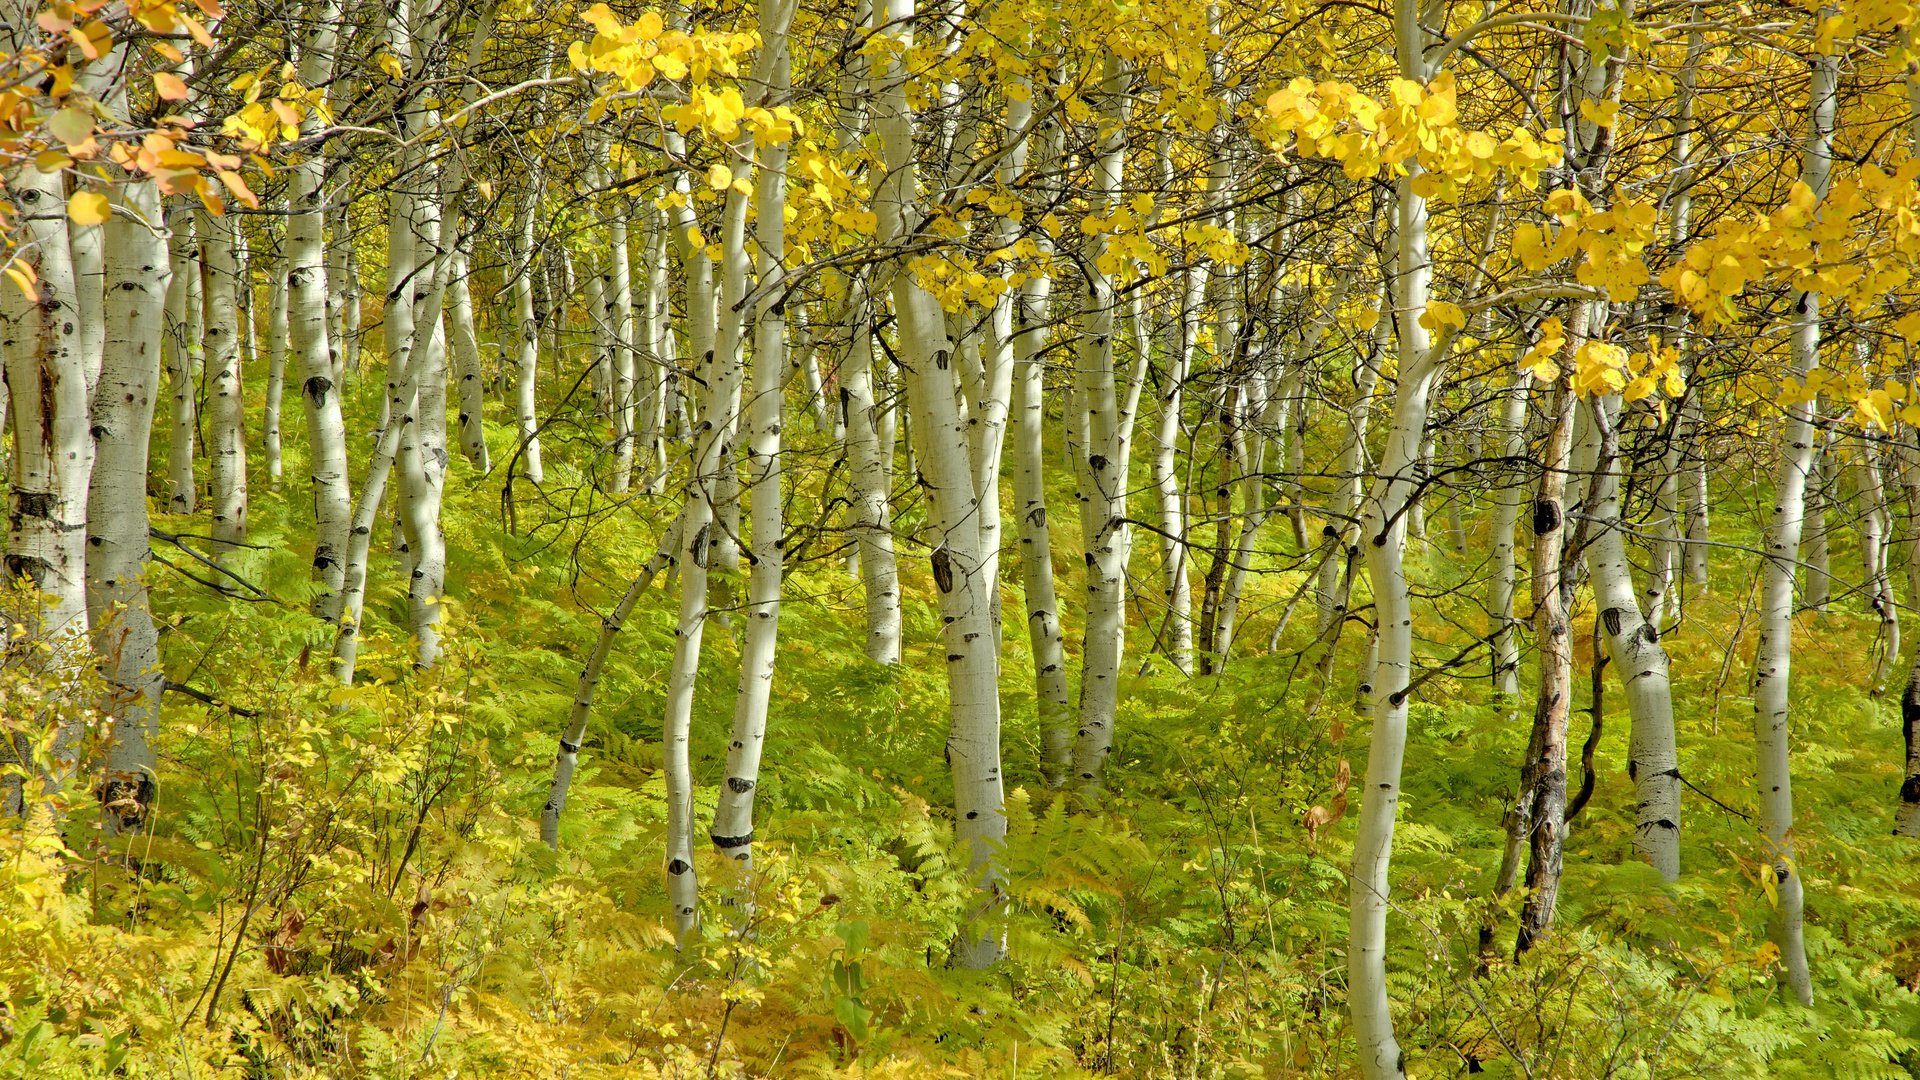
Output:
x=276 y=361
x=568 y=758
x=732 y=831
x=527 y=346
x=1384 y=533
x=942 y=449
x=226 y=420
x=136 y=265
x=1105 y=470
x=1773 y=657
x=52 y=445
x=307 y=333
x=464 y=341
x=1638 y=658
x=186 y=356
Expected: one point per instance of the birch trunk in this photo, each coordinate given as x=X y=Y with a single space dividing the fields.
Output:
x=464 y=341
x=527 y=346
x=568 y=758
x=733 y=824
x=1384 y=530
x=942 y=451
x=135 y=264
x=1109 y=536
x=52 y=448
x=307 y=333
x=276 y=361
x=185 y=360
x=1637 y=658
x=1773 y=657
x=226 y=422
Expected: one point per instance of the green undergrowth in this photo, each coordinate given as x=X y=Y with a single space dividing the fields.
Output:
x=349 y=883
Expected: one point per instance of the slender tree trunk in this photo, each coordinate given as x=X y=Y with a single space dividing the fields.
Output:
x=307 y=333
x=732 y=831
x=1110 y=539
x=226 y=426
x=276 y=360
x=527 y=346
x=464 y=341
x=1637 y=658
x=568 y=759
x=1773 y=657
x=185 y=360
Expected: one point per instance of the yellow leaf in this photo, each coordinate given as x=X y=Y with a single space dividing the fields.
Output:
x=719 y=178
x=169 y=86
x=88 y=208
x=22 y=275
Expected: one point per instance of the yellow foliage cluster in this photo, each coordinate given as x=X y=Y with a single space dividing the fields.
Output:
x=1414 y=124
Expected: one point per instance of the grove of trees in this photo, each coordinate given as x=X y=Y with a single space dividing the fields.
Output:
x=1051 y=538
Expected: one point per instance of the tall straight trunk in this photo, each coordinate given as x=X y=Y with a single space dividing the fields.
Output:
x=52 y=450
x=1384 y=532
x=1028 y=422
x=1110 y=538
x=307 y=332
x=226 y=420
x=619 y=331
x=276 y=360
x=1876 y=526
x=1773 y=657
x=386 y=451
x=527 y=344
x=942 y=455
x=1182 y=333
x=135 y=264
x=659 y=343
x=1506 y=514
x=866 y=457
x=186 y=357
x=732 y=831
x=1539 y=818
x=724 y=373
x=464 y=341
x=1637 y=658
x=1818 y=590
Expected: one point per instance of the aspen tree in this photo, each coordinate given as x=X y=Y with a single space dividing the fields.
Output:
x=307 y=331
x=135 y=265
x=53 y=449
x=942 y=450
x=185 y=359
x=226 y=422
x=1104 y=511
x=1773 y=658
x=733 y=823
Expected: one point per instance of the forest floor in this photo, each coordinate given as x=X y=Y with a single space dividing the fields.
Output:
x=350 y=882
